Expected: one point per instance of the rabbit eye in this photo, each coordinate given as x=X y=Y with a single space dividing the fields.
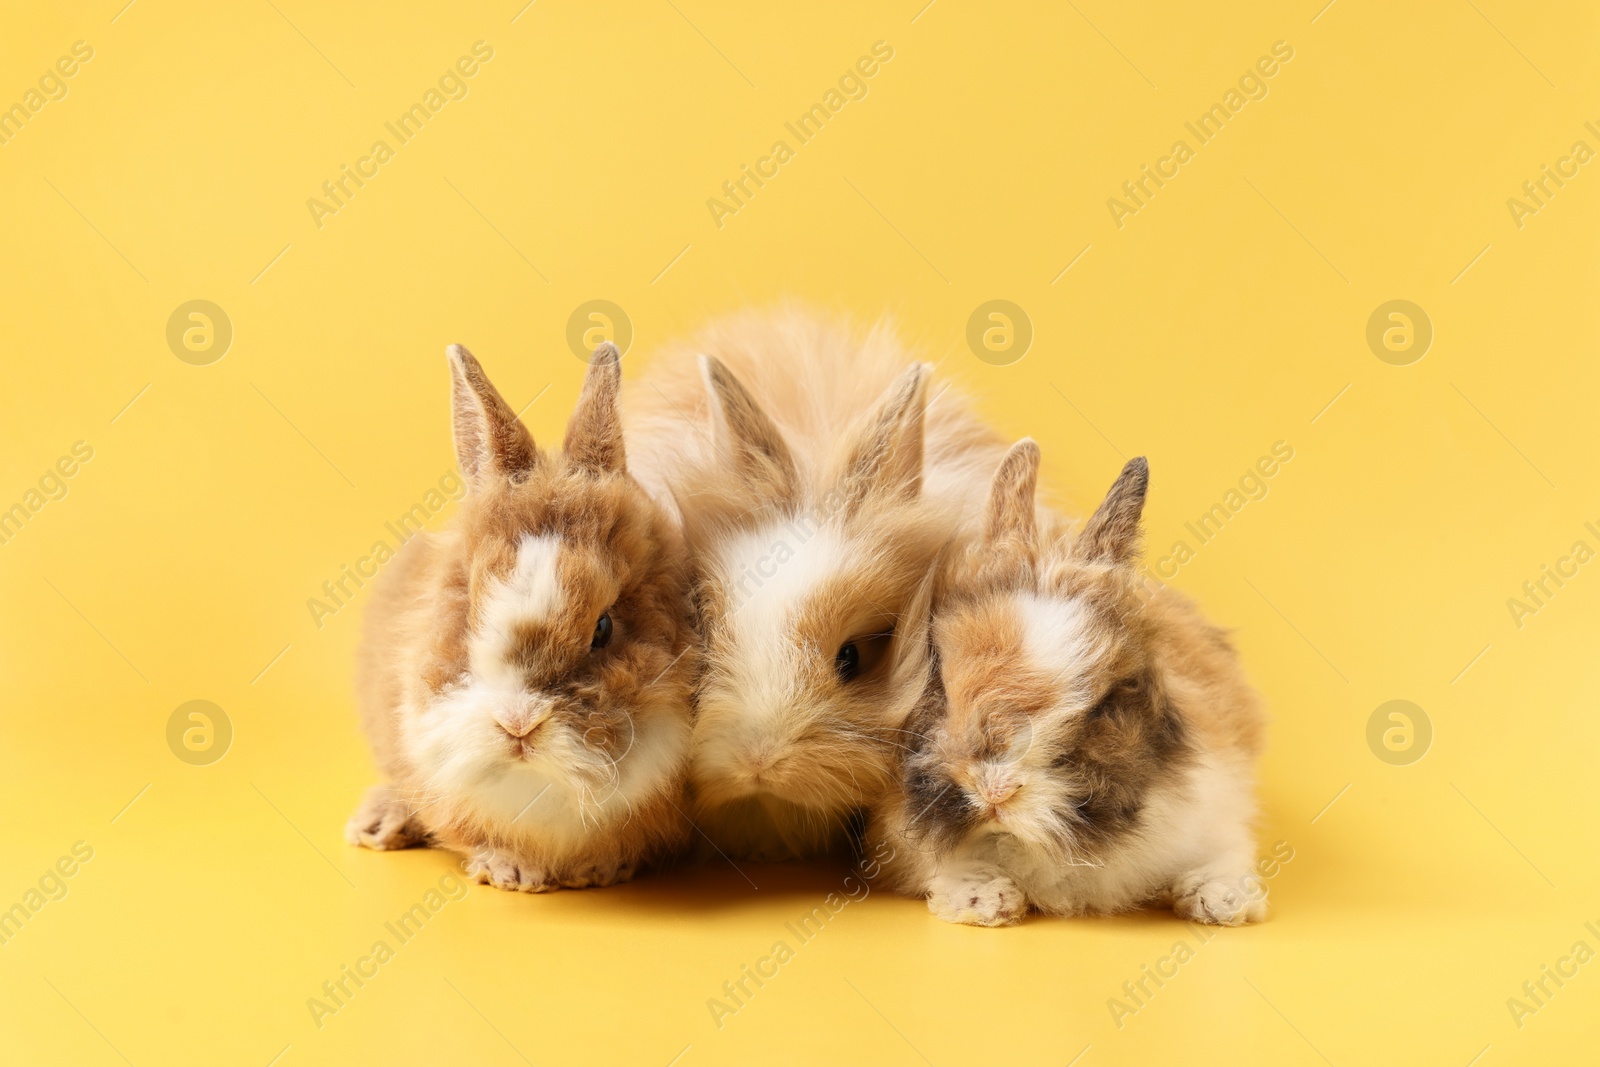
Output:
x=860 y=655
x=847 y=661
x=602 y=632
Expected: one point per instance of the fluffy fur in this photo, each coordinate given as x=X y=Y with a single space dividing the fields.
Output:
x=1080 y=747
x=504 y=735
x=818 y=474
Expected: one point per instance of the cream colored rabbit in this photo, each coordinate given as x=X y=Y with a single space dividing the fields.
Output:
x=817 y=482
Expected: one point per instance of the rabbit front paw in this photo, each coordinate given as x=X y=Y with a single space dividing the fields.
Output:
x=503 y=870
x=978 y=901
x=385 y=821
x=598 y=875
x=1207 y=899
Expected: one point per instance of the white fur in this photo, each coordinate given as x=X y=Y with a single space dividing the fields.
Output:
x=1059 y=641
x=530 y=593
x=768 y=574
x=564 y=792
x=1193 y=836
x=1055 y=631
x=762 y=731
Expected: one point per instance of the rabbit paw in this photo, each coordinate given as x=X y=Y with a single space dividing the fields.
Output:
x=1206 y=898
x=384 y=821
x=599 y=874
x=504 y=871
x=978 y=902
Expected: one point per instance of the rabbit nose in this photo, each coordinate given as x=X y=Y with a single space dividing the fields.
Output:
x=759 y=761
x=519 y=720
x=997 y=793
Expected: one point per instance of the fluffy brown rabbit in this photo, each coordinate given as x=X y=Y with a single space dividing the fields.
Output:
x=525 y=675
x=817 y=483
x=1081 y=747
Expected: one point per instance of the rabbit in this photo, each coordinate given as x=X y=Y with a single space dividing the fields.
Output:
x=525 y=674
x=817 y=485
x=1081 y=747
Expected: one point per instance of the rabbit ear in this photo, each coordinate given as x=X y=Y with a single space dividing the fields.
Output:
x=1112 y=533
x=594 y=434
x=747 y=435
x=886 y=458
x=490 y=440
x=913 y=649
x=1010 y=516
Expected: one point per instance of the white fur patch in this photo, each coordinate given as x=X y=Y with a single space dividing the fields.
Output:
x=768 y=576
x=769 y=572
x=1200 y=825
x=561 y=795
x=530 y=593
x=1056 y=632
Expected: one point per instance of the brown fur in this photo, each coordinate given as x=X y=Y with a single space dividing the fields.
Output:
x=620 y=553
x=793 y=423
x=813 y=384
x=1066 y=762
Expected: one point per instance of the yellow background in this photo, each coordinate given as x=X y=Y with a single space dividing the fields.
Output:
x=1223 y=317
